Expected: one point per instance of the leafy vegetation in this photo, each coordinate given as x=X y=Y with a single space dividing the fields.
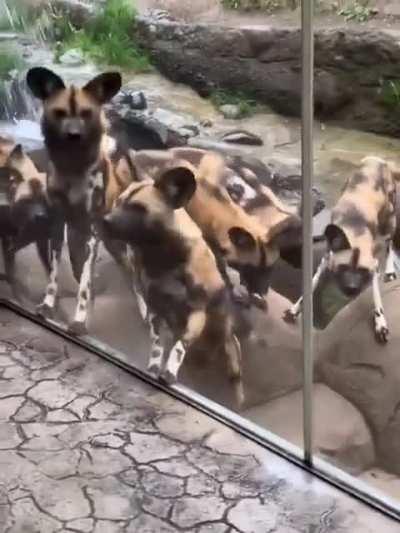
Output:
x=109 y=38
x=390 y=94
x=357 y=12
x=246 y=104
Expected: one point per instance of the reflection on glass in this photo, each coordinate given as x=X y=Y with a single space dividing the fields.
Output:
x=188 y=259
x=355 y=399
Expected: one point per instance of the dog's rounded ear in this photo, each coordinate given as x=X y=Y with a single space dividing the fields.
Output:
x=104 y=86
x=287 y=237
x=242 y=239
x=177 y=186
x=336 y=238
x=43 y=82
x=286 y=233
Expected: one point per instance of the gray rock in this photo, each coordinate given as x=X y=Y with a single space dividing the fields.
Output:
x=242 y=137
x=72 y=58
x=349 y=67
x=367 y=374
x=340 y=432
x=231 y=111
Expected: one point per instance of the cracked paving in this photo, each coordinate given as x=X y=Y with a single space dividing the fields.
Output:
x=85 y=447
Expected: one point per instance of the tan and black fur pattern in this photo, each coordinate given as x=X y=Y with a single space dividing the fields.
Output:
x=360 y=235
x=74 y=130
x=248 y=231
x=183 y=286
x=25 y=214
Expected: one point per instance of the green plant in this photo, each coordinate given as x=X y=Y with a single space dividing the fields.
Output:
x=357 y=12
x=390 y=94
x=246 y=104
x=108 y=39
x=8 y=63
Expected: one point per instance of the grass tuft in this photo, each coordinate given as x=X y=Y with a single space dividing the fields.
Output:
x=108 y=39
x=246 y=104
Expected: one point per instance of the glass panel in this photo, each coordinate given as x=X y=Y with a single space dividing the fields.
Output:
x=356 y=397
x=205 y=271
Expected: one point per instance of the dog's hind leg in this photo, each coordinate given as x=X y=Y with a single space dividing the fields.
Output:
x=194 y=328
x=390 y=269
x=46 y=308
x=156 y=350
x=380 y=324
x=85 y=293
x=294 y=312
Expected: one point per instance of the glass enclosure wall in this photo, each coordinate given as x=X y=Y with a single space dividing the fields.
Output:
x=176 y=239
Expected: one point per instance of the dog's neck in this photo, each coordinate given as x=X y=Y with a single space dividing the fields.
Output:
x=75 y=163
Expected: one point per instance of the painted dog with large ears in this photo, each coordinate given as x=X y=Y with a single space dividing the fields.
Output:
x=74 y=126
x=360 y=237
x=183 y=287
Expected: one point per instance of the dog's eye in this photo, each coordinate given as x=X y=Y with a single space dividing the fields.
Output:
x=60 y=113
x=86 y=113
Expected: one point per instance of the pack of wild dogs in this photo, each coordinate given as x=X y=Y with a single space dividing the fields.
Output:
x=197 y=232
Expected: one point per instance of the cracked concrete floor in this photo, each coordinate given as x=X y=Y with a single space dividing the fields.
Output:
x=85 y=447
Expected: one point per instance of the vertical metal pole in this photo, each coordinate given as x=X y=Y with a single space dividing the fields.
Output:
x=307 y=98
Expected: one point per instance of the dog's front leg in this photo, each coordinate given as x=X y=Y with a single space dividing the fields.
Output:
x=156 y=350
x=85 y=293
x=194 y=328
x=294 y=312
x=137 y=285
x=390 y=270
x=380 y=324
x=47 y=307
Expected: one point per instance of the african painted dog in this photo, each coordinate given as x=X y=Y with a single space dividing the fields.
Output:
x=359 y=237
x=73 y=126
x=247 y=226
x=183 y=287
x=25 y=214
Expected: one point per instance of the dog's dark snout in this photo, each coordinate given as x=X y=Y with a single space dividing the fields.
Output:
x=74 y=135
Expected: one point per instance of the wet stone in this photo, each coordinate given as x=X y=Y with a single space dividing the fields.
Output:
x=103 y=462
x=156 y=506
x=214 y=528
x=235 y=491
x=201 y=484
x=27 y=517
x=9 y=406
x=225 y=468
x=190 y=511
x=52 y=394
x=14 y=388
x=146 y=448
x=112 y=500
x=61 y=415
x=188 y=426
x=9 y=437
x=103 y=410
x=177 y=466
x=5 y=360
x=85 y=525
x=79 y=405
x=62 y=499
x=130 y=477
x=149 y=524
x=110 y=440
x=106 y=526
x=252 y=516
x=161 y=485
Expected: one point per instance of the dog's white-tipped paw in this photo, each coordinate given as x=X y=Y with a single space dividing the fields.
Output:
x=389 y=276
x=381 y=328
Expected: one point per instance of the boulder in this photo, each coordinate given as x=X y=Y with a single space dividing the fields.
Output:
x=340 y=432
x=353 y=68
x=352 y=363
x=383 y=481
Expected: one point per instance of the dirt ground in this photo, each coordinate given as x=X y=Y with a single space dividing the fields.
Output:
x=206 y=10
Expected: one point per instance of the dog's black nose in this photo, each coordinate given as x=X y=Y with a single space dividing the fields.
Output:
x=74 y=135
